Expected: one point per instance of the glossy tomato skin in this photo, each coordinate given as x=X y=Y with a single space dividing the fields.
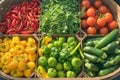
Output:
x=103 y=9
x=91 y=30
x=91 y=21
x=108 y=17
x=86 y=3
x=103 y=30
x=91 y=12
x=84 y=24
x=98 y=3
x=101 y=22
x=112 y=25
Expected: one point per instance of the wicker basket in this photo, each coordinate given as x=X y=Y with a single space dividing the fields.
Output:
x=22 y=37
x=5 y=5
x=114 y=8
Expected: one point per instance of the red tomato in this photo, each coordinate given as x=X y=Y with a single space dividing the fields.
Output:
x=86 y=3
x=84 y=24
x=103 y=30
x=98 y=3
x=101 y=22
x=91 y=21
x=103 y=9
x=91 y=30
x=112 y=25
x=91 y=12
x=108 y=17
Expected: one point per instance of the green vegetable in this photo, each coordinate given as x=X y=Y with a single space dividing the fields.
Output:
x=111 y=46
x=52 y=62
x=59 y=66
x=92 y=58
x=64 y=53
x=115 y=51
x=91 y=67
x=59 y=17
x=75 y=49
x=52 y=72
x=90 y=73
x=70 y=39
x=107 y=70
x=81 y=53
x=42 y=60
x=76 y=62
x=107 y=39
x=112 y=62
x=45 y=49
x=61 y=74
x=70 y=74
x=95 y=51
x=67 y=65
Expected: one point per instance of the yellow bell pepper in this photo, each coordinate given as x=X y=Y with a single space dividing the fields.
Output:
x=30 y=50
x=16 y=38
x=31 y=65
x=21 y=66
x=14 y=43
x=12 y=65
x=32 y=57
x=5 y=69
x=42 y=72
x=0 y=40
x=12 y=51
x=23 y=43
x=27 y=72
x=40 y=52
x=31 y=40
x=19 y=49
x=7 y=39
x=4 y=47
x=16 y=73
x=47 y=40
x=24 y=57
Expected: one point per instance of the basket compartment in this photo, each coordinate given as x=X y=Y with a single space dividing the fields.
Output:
x=23 y=37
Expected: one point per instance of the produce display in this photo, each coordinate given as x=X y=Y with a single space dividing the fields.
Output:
x=97 y=18
x=59 y=16
x=102 y=54
x=18 y=56
x=59 y=57
x=59 y=49
x=21 y=18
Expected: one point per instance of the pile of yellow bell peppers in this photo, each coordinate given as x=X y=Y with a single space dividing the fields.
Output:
x=18 y=56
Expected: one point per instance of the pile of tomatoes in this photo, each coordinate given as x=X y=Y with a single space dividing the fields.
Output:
x=97 y=18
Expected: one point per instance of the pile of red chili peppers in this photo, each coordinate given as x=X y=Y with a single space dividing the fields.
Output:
x=21 y=18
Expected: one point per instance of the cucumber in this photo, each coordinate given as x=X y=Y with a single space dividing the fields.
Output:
x=111 y=46
x=92 y=58
x=107 y=39
x=91 y=43
x=90 y=73
x=95 y=51
x=91 y=67
x=94 y=38
x=106 y=71
x=115 y=51
x=112 y=62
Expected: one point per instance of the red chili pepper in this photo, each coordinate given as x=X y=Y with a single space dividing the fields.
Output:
x=26 y=32
x=13 y=23
x=20 y=26
x=14 y=16
x=8 y=22
x=14 y=11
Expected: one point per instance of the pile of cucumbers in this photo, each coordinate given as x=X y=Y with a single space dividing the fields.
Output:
x=102 y=54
